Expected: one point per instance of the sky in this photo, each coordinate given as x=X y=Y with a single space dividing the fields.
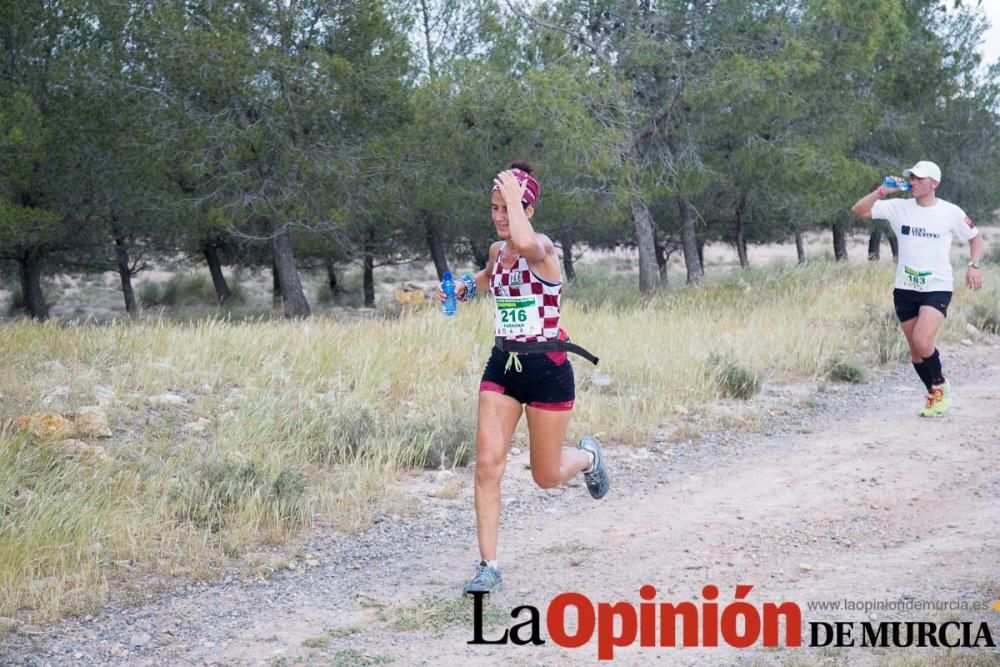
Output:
x=991 y=39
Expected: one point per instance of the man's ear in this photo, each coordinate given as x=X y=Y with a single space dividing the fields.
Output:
x=529 y=211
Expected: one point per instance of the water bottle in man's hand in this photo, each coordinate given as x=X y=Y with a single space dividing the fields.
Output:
x=891 y=182
x=448 y=287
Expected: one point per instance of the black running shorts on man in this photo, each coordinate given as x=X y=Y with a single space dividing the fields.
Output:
x=545 y=380
x=908 y=302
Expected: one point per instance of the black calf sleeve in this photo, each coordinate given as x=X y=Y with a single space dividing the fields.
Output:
x=933 y=364
x=925 y=375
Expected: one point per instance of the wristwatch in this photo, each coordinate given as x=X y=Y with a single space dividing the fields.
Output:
x=974 y=264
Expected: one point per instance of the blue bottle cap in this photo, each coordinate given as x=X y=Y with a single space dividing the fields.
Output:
x=447 y=275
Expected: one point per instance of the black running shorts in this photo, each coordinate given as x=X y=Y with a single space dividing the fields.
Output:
x=908 y=302
x=545 y=380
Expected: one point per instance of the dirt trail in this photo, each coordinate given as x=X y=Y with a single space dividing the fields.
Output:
x=856 y=499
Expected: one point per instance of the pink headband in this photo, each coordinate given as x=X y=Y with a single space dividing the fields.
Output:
x=532 y=191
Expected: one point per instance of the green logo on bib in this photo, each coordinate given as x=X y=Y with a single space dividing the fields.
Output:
x=917 y=278
x=517 y=316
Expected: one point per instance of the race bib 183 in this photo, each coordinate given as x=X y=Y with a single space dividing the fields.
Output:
x=918 y=279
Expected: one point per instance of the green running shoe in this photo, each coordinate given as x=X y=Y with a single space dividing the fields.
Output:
x=942 y=397
x=938 y=402
x=486 y=579
x=598 y=480
x=928 y=409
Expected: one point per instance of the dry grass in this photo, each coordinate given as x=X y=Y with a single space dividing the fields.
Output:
x=946 y=658
x=308 y=421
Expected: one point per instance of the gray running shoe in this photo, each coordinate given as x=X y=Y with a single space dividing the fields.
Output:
x=598 y=480
x=486 y=580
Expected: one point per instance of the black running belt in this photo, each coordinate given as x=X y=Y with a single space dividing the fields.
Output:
x=505 y=345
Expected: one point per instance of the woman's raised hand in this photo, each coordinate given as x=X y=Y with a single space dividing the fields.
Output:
x=509 y=187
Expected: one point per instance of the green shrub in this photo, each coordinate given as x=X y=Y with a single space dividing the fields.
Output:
x=985 y=318
x=447 y=444
x=887 y=341
x=221 y=489
x=839 y=369
x=345 y=297
x=186 y=289
x=992 y=255
x=148 y=294
x=599 y=286
x=349 y=433
x=323 y=293
x=16 y=303
x=733 y=380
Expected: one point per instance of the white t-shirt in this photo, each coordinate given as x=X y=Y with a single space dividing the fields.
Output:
x=924 y=234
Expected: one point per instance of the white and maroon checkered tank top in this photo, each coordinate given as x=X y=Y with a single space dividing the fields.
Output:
x=520 y=281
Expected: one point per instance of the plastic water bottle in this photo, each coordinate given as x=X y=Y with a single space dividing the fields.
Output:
x=891 y=182
x=448 y=286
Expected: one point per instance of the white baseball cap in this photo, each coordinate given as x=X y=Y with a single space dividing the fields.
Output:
x=924 y=169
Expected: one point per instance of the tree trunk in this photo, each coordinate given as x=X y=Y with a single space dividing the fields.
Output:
x=662 y=260
x=436 y=246
x=331 y=276
x=121 y=260
x=800 y=244
x=368 y=280
x=275 y=285
x=567 y=259
x=368 y=270
x=30 y=268
x=893 y=244
x=211 y=252
x=874 y=241
x=741 y=234
x=689 y=243
x=479 y=255
x=292 y=296
x=649 y=273
x=840 y=242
